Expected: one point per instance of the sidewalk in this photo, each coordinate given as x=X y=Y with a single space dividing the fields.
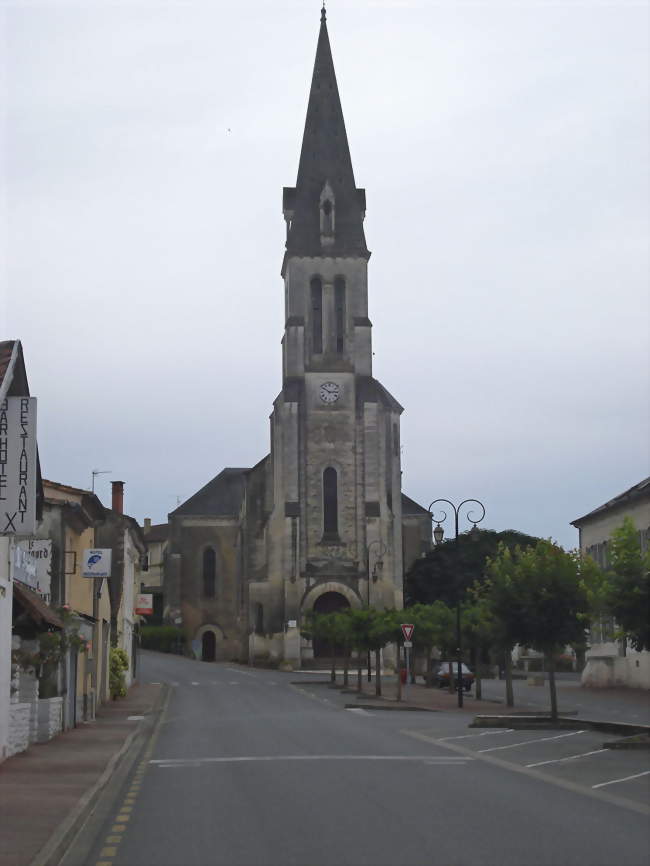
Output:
x=418 y=697
x=41 y=787
x=630 y=706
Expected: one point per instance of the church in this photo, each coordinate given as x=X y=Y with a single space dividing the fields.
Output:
x=321 y=522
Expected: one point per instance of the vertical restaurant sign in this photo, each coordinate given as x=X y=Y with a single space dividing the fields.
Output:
x=32 y=562
x=18 y=466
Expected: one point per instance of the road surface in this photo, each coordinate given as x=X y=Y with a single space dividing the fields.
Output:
x=248 y=768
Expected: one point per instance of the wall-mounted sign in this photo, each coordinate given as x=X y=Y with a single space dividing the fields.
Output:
x=32 y=561
x=144 y=603
x=96 y=563
x=18 y=466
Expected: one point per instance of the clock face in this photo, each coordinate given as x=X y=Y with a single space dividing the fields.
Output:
x=329 y=392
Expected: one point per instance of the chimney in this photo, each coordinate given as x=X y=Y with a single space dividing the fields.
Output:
x=117 y=499
x=147 y=525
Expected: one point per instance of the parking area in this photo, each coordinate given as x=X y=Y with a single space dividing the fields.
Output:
x=578 y=757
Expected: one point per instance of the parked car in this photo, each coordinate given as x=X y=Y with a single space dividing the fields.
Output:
x=443 y=675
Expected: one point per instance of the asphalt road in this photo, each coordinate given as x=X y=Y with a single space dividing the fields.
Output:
x=248 y=769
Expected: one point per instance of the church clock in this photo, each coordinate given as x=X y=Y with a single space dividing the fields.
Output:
x=329 y=392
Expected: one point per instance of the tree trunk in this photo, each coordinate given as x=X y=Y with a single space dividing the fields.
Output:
x=333 y=671
x=479 y=682
x=510 y=698
x=451 y=678
x=359 y=670
x=429 y=676
x=377 y=672
x=346 y=668
x=399 y=674
x=551 y=684
x=412 y=671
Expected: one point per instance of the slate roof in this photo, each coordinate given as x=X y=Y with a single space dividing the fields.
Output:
x=638 y=491
x=410 y=506
x=223 y=495
x=13 y=376
x=157 y=532
x=325 y=156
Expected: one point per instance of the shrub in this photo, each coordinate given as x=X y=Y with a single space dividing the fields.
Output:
x=119 y=662
x=163 y=638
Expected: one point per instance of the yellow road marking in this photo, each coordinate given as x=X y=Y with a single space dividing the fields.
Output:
x=114 y=840
x=103 y=863
x=123 y=817
x=118 y=828
x=108 y=852
x=126 y=808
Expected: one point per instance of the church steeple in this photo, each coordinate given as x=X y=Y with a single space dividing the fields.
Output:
x=325 y=210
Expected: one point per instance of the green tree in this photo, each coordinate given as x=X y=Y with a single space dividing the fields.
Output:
x=456 y=564
x=434 y=627
x=382 y=629
x=539 y=599
x=629 y=584
x=478 y=631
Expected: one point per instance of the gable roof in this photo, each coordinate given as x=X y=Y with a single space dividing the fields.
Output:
x=632 y=494
x=410 y=506
x=13 y=375
x=222 y=495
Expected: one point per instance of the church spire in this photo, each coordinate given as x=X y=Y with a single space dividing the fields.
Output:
x=325 y=211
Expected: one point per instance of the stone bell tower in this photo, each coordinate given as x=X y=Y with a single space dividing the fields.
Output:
x=335 y=531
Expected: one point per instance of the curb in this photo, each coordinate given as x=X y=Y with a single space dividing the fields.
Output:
x=629 y=743
x=543 y=722
x=391 y=706
x=58 y=843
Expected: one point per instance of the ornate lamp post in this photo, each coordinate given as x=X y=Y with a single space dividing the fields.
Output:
x=376 y=569
x=438 y=535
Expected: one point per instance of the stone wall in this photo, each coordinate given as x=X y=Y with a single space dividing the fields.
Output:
x=19 y=728
x=50 y=718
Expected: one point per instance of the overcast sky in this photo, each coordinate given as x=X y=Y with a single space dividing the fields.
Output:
x=504 y=150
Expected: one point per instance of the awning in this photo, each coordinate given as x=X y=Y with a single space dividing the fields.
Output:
x=36 y=608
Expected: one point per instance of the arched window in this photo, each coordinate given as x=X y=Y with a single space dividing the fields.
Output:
x=339 y=310
x=209 y=572
x=327 y=217
x=317 y=316
x=330 y=503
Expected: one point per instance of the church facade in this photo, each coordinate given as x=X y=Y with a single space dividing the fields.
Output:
x=321 y=522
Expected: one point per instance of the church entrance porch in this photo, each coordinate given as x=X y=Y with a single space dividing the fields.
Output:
x=208 y=647
x=329 y=602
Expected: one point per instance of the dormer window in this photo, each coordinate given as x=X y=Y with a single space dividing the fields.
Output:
x=327 y=214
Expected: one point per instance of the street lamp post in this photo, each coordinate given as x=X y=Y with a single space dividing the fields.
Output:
x=377 y=567
x=438 y=535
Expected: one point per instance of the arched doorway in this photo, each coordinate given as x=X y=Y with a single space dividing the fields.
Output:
x=328 y=602
x=208 y=646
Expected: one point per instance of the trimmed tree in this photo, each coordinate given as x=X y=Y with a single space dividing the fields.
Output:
x=539 y=599
x=629 y=584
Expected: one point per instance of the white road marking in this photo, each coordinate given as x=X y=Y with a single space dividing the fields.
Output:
x=626 y=779
x=570 y=758
x=134 y=718
x=173 y=684
x=195 y=762
x=483 y=734
x=196 y=684
x=233 y=684
x=240 y=671
x=528 y=742
x=154 y=684
x=272 y=683
x=358 y=710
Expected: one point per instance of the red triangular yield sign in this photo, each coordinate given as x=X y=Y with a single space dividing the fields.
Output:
x=407 y=630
